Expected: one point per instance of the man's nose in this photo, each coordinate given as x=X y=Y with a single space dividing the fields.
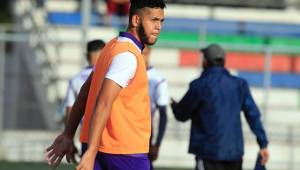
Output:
x=159 y=25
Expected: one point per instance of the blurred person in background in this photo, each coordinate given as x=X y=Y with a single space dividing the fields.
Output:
x=158 y=91
x=93 y=50
x=214 y=102
x=115 y=100
x=117 y=12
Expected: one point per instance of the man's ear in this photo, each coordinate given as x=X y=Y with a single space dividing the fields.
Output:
x=135 y=20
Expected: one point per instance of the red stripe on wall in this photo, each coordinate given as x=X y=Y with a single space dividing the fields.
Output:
x=244 y=61
x=281 y=63
x=255 y=62
x=189 y=58
x=296 y=64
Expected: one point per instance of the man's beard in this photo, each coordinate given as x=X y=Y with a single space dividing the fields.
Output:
x=142 y=35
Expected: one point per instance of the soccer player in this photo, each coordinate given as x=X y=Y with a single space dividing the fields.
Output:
x=158 y=90
x=93 y=50
x=115 y=100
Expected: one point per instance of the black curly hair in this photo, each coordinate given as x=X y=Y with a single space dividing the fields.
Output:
x=139 y=4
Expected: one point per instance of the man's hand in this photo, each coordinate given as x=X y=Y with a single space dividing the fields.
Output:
x=173 y=103
x=264 y=152
x=153 y=152
x=87 y=162
x=62 y=145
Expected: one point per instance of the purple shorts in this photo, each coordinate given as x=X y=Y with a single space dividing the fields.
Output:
x=105 y=161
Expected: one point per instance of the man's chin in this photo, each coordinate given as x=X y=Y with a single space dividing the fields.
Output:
x=151 y=42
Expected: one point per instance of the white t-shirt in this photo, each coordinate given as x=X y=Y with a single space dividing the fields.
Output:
x=123 y=66
x=75 y=84
x=158 y=89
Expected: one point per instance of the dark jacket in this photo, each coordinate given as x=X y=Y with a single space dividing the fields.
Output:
x=214 y=102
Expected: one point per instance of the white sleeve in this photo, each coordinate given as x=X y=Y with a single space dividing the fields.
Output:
x=70 y=97
x=162 y=95
x=122 y=68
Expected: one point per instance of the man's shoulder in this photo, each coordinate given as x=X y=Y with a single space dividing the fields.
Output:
x=125 y=58
x=120 y=47
x=198 y=82
x=82 y=74
x=238 y=79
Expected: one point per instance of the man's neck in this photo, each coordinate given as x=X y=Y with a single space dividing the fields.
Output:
x=133 y=32
x=124 y=36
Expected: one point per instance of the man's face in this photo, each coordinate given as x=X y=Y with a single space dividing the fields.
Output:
x=94 y=57
x=151 y=20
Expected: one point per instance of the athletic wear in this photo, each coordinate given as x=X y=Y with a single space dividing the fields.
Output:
x=128 y=128
x=105 y=161
x=122 y=68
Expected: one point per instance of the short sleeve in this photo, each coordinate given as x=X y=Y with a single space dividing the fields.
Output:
x=122 y=68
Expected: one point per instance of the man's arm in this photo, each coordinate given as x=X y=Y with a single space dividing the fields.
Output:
x=78 y=108
x=63 y=144
x=253 y=118
x=69 y=100
x=162 y=124
x=188 y=104
x=107 y=95
x=154 y=149
x=67 y=114
x=161 y=100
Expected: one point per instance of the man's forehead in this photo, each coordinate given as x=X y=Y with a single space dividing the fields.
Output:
x=152 y=11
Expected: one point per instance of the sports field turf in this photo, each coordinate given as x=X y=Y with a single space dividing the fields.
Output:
x=44 y=166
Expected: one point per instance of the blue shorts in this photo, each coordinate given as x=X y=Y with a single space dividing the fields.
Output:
x=106 y=161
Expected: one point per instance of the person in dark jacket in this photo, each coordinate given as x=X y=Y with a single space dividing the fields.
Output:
x=214 y=102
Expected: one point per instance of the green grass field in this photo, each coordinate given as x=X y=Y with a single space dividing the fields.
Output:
x=44 y=166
